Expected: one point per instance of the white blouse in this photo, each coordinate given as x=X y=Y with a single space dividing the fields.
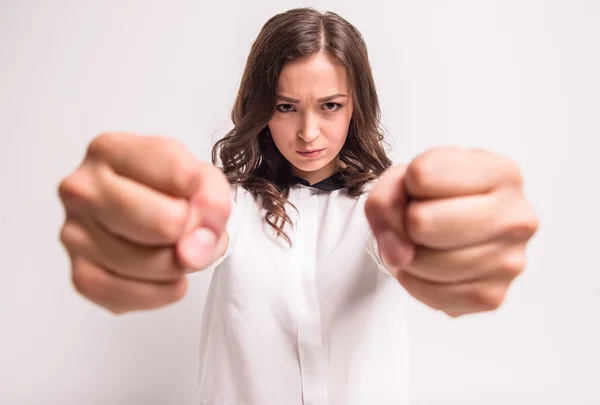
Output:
x=320 y=323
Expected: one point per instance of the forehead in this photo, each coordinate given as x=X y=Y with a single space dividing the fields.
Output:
x=316 y=76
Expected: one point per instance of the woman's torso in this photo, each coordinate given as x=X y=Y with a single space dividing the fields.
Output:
x=321 y=322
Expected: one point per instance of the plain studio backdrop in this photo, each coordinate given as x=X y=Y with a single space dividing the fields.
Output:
x=520 y=78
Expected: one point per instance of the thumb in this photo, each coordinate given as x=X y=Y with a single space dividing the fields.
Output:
x=209 y=210
x=385 y=210
x=197 y=249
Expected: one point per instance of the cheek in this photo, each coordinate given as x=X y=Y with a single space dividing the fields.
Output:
x=283 y=132
x=282 y=128
x=337 y=132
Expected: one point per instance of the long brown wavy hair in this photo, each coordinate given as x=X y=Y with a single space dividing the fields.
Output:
x=249 y=156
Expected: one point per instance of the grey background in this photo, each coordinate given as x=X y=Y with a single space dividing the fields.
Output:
x=520 y=78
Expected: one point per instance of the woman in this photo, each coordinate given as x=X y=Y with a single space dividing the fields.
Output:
x=314 y=234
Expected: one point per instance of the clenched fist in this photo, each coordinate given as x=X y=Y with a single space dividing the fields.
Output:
x=453 y=227
x=140 y=213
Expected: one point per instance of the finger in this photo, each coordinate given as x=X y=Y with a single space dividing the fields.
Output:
x=466 y=221
x=497 y=259
x=450 y=171
x=211 y=203
x=138 y=213
x=384 y=210
x=457 y=299
x=119 y=256
x=158 y=162
x=396 y=251
x=119 y=294
x=385 y=205
x=210 y=208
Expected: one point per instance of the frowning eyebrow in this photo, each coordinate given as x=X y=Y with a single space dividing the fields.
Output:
x=321 y=100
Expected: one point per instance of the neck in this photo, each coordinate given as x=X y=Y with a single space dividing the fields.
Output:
x=317 y=175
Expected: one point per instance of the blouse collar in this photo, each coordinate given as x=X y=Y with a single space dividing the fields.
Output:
x=331 y=183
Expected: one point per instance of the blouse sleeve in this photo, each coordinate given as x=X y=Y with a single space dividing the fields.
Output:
x=373 y=251
x=232 y=226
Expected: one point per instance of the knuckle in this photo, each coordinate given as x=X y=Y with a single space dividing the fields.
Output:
x=512 y=264
x=75 y=188
x=102 y=144
x=66 y=188
x=374 y=208
x=89 y=282
x=418 y=221
x=182 y=166
x=374 y=205
x=71 y=235
x=508 y=167
x=531 y=224
x=185 y=175
x=521 y=230
x=215 y=212
x=488 y=298
x=513 y=172
x=170 y=224
x=421 y=172
x=215 y=202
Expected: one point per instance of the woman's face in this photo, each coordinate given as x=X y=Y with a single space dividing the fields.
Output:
x=312 y=115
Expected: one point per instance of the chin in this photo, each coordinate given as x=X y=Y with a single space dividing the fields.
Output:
x=312 y=165
x=308 y=167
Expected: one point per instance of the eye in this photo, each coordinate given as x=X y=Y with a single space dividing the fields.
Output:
x=332 y=106
x=285 y=108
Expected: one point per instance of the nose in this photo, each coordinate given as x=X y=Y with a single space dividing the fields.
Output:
x=309 y=130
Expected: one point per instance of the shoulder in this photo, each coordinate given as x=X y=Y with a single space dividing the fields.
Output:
x=243 y=200
x=238 y=193
x=367 y=187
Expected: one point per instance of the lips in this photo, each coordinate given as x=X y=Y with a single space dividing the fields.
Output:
x=309 y=150
x=310 y=153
